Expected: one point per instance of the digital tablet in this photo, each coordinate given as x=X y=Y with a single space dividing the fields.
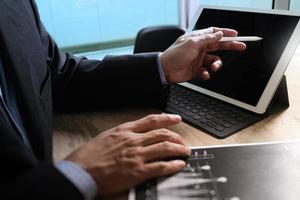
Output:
x=250 y=78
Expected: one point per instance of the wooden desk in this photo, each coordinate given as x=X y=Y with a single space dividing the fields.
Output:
x=72 y=130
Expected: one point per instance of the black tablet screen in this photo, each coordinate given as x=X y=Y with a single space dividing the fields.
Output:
x=245 y=75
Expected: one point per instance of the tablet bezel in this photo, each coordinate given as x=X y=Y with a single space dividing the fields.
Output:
x=279 y=70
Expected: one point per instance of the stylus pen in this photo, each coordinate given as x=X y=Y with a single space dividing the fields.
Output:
x=241 y=39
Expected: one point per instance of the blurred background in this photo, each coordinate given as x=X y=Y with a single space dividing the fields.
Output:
x=95 y=28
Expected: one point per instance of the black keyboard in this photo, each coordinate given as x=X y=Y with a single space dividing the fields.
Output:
x=209 y=114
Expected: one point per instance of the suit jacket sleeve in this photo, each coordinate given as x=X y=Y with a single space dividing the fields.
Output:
x=79 y=83
x=43 y=181
x=76 y=83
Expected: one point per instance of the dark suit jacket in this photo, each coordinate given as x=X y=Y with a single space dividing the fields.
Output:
x=44 y=76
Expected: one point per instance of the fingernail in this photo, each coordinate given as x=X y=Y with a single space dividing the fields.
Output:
x=176 y=117
x=179 y=163
x=189 y=151
x=205 y=75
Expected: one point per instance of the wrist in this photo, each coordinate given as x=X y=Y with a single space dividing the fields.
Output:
x=162 y=57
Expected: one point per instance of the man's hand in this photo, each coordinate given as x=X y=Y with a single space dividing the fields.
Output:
x=189 y=56
x=131 y=153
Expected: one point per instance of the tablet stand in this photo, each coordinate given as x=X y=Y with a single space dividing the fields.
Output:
x=280 y=99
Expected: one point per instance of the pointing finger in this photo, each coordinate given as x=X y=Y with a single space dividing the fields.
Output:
x=226 y=31
x=204 y=42
x=153 y=122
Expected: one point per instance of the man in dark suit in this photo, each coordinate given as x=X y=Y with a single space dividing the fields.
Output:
x=35 y=77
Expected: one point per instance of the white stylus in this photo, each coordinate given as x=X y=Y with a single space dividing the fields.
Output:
x=241 y=39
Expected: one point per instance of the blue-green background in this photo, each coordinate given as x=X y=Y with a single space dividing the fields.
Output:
x=81 y=22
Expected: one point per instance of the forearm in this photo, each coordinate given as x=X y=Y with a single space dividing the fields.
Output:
x=115 y=81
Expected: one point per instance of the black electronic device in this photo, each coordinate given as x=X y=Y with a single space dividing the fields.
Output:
x=251 y=84
x=236 y=172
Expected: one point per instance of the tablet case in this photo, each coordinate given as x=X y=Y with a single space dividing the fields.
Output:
x=211 y=123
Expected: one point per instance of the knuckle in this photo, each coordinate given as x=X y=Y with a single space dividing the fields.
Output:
x=138 y=170
x=129 y=158
x=167 y=146
x=185 y=150
x=125 y=153
x=153 y=118
x=130 y=141
x=169 y=135
x=164 y=132
x=162 y=167
x=191 y=41
x=177 y=137
x=120 y=128
x=133 y=167
x=137 y=150
x=134 y=153
x=115 y=136
x=207 y=36
x=168 y=117
x=212 y=28
x=160 y=133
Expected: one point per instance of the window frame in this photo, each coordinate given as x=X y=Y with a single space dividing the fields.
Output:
x=187 y=8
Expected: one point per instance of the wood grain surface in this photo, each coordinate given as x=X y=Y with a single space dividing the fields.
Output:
x=72 y=130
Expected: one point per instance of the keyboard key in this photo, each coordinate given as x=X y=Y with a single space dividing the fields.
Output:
x=201 y=113
x=205 y=109
x=213 y=102
x=208 y=113
x=227 y=125
x=209 y=117
x=232 y=115
x=210 y=106
x=203 y=104
x=188 y=113
x=196 y=117
x=194 y=110
x=217 y=109
x=233 y=121
x=224 y=112
x=240 y=119
x=219 y=116
x=188 y=107
x=198 y=107
x=203 y=120
x=212 y=113
x=222 y=123
x=219 y=128
x=218 y=121
x=211 y=124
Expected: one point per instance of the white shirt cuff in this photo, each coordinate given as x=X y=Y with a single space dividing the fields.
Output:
x=81 y=179
x=161 y=71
